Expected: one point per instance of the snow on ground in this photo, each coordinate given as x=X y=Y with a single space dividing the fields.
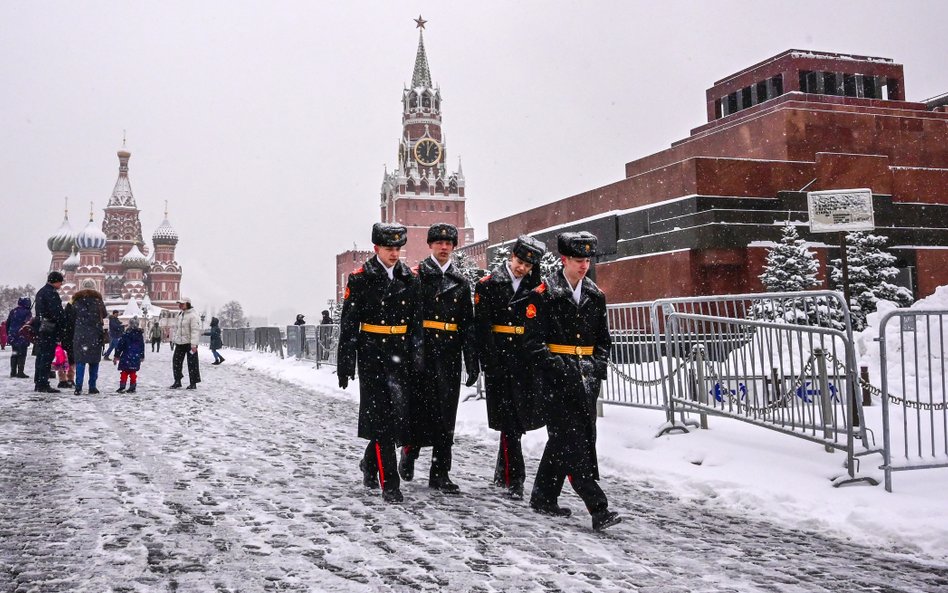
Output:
x=733 y=466
x=250 y=483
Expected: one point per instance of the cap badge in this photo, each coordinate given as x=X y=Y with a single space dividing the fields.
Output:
x=587 y=248
x=444 y=231
x=529 y=254
x=398 y=236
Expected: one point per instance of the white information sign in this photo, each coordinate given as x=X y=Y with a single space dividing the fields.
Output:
x=840 y=210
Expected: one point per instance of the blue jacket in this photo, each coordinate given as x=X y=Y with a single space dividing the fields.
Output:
x=116 y=329
x=130 y=349
x=17 y=318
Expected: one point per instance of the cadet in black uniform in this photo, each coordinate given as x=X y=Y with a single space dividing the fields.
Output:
x=448 y=321
x=381 y=326
x=567 y=337
x=499 y=306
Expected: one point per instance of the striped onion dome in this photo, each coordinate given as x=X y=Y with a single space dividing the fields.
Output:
x=91 y=237
x=63 y=239
x=136 y=259
x=72 y=262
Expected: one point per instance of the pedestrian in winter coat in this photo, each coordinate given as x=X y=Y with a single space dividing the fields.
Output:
x=216 y=342
x=448 y=322
x=381 y=328
x=3 y=335
x=499 y=311
x=19 y=317
x=47 y=326
x=155 y=337
x=299 y=320
x=567 y=337
x=129 y=352
x=116 y=331
x=87 y=336
x=186 y=336
x=326 y=320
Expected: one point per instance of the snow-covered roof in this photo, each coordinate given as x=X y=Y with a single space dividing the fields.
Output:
x=136 y=259
x=165 y=233
x=91 y=237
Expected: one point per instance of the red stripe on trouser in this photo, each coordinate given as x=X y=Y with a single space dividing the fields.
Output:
x=503 y=443
x=406 y=449
x=378 y=456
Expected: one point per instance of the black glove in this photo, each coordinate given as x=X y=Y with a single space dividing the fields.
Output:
x=587 y=368
x=471 y=378
x=343 y=381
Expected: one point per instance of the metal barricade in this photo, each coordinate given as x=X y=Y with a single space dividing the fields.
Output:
x=636 y=370
x=327 y=344
x=914 y=395
x=739 y=368
x=229 y=338
x=294 y=341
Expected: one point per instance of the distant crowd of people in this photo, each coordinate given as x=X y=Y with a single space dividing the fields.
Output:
x=71 y=341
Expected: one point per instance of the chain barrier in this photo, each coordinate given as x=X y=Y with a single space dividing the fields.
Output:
x=892 y=398
x=651 y=382
x=777 y=403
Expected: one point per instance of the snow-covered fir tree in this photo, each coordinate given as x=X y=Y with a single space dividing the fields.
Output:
x=466 y=266
x=550 y=264
x=871 y=269
x=501 y=254
x=790 y=266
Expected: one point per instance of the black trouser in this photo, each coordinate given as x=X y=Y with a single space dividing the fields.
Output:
x=18 y=359
x=550 y=476
x=45 y=349
x=509 y=469
x=384 y=451
x=442 y=442
x=182 y=351
x=156 y=344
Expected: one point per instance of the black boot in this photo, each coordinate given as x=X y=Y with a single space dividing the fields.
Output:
x=14 y=363
x=121 y=388
x=406 y=464
x=131 y=388
x=192 y=386
x=515 y=491
x=175 y=385
x=392 y=495
x=444 y=484
x=369 y=479
x=552 y=509
x=605 y=519
x=20 y=366
x=93 y=391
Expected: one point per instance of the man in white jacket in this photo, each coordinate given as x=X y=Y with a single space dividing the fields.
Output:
x=186 y=335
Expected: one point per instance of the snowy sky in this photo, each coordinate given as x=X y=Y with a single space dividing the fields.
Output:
x=266 y=126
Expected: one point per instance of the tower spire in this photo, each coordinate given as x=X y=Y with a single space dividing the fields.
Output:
x=91 y=210
x=66 y=209
x=421 y=77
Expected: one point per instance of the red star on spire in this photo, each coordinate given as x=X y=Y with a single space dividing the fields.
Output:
x=420 y=22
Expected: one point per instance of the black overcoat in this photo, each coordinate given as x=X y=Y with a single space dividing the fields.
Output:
x=569 y=383
x=433 y=405
x=387 y=362
x=508 y=376
x=49 y=306
x=87 y=333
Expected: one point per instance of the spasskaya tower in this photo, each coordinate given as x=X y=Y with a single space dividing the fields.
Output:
x=421 y=190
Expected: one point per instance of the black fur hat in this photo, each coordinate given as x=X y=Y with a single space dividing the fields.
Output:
x=581 y=244
x=389 y=235
x=442 y=231
x=529 y=249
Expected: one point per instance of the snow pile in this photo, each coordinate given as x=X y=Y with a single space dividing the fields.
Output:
x=733 y=467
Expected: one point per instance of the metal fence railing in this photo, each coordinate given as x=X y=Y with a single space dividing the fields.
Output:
x=913 y=361
x=774 y=375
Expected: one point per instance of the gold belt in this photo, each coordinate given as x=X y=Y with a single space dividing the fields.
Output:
x=507 y=329
x=574 y=350
x=448 y=327
x=384 y=329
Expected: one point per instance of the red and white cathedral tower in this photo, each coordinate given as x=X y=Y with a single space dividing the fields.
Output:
x=421 y=190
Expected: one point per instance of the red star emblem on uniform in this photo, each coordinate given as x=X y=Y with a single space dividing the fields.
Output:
x=531 y=311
